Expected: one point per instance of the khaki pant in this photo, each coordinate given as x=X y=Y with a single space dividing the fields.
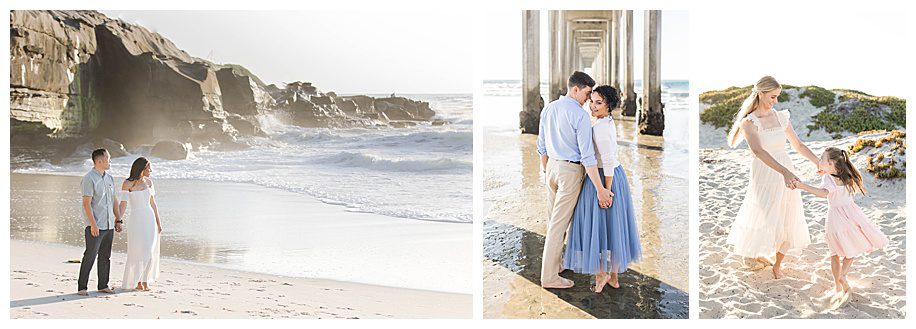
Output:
x=564 y=182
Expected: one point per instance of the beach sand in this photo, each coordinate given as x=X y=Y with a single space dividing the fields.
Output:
x=731 y=289
x=516 y=214
x=43 y=284
x=255 y=232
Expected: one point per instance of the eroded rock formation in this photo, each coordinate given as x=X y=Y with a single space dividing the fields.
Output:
x=79 y=76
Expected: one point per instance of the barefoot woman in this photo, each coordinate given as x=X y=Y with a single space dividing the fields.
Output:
x=770 y=220
x=604 y=241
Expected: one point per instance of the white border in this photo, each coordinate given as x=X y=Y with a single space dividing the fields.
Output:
x=743 y=8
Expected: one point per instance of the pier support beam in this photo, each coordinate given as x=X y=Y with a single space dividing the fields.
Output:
x=652 y=115
x=555 y=89
x=613 y=49
x=532 y=103
x=629 y=94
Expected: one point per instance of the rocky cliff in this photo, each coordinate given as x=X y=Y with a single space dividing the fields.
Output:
x=78 y=76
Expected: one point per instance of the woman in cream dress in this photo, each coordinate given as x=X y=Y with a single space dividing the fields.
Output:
x=143 y=228
x=770 y=221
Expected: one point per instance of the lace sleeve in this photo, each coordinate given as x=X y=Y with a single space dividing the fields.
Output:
x=783 y=117
x=753 y=119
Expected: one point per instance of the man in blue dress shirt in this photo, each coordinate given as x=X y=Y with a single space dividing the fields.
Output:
x=567 y=154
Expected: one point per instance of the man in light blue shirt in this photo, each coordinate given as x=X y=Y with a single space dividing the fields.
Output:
x=567 y=153
x=102 y=219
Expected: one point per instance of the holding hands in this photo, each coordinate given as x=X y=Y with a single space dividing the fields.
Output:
x=791 y=180
x=605 y=198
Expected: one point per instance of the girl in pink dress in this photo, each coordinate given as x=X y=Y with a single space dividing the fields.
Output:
x=849 y=234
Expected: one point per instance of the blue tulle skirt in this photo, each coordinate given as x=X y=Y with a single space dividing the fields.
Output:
x=603 y=239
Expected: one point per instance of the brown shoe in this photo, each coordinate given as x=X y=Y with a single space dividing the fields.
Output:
x=107 y=290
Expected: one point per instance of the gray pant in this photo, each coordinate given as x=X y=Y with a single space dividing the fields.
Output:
x=98 y=246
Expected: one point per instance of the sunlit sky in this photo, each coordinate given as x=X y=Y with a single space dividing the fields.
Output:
x=343 y=51
x=853 y=48
x=504 y=45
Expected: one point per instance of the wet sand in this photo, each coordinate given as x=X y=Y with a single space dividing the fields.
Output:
x=515 y=224
x=244 y=227
x=43 y=284
x=729 y=288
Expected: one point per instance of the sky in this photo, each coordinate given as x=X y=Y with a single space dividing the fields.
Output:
x=503 y=42
x=860 y=49
x=343 y=51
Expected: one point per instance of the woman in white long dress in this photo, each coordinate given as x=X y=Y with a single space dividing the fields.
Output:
x=143 y=227
x=771 y=219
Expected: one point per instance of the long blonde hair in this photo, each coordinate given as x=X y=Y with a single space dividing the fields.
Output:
x=764 y=85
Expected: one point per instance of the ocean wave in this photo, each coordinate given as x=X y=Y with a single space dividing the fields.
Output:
x=362 y=160
x=393 y=166
x=439 y=139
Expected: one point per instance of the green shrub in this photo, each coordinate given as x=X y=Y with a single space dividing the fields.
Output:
x=819 y=97
x=724 y=104
x=718 y=96
x=722 y=115
x=869 y=115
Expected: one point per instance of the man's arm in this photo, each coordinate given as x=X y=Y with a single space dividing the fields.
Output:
x=542 y=143
x=88 y=192
x=87 y=208
x=584 y=141
x=544 y=159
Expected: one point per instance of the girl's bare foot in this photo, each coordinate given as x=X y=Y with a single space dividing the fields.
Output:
x=139 y=286
x=145 y=286
x=764 y=261
x=846 y=287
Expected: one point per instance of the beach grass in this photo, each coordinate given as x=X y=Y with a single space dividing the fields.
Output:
x=889 y=157
x=818 y=96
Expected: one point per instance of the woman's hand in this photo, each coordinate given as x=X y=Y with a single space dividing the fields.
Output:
x=789 y=178
x=604 y=197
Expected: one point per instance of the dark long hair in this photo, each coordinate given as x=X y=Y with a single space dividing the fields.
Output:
x=610 y=95
x=137 y=169
x=845 y=170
